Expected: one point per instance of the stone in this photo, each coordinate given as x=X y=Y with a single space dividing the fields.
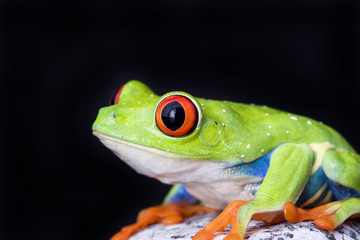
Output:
x=256 y=231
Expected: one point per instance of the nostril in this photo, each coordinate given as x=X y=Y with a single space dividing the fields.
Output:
x=114 y=115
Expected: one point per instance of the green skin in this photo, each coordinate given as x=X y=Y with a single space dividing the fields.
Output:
x=235 y=133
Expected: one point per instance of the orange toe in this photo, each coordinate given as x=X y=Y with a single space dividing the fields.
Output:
x=234 y=236
x=203 y=235
x=125 y=232
x=291 y=213
x=226 y=217
x=120 y=236
x=170 y=220
x=327 y=223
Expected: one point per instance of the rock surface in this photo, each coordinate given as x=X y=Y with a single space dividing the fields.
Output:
x=256 y=230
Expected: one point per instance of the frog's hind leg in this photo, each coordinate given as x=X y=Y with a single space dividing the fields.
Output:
x=328 y=216
x=341 y=170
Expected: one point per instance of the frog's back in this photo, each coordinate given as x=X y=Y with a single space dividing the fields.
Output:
x=274 y=127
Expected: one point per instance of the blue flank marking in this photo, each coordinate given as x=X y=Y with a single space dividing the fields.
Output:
x=341 y=192
x=322 y=196
x=315 y=182
x=182 y=195
x=256 y=168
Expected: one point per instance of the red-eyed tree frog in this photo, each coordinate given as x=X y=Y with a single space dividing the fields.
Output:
x=252 y=162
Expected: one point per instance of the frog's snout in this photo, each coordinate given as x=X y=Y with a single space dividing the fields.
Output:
x=111 y=117
x=97 y=124
x=105 y=117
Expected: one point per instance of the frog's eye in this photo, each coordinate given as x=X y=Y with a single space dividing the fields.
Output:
x=114 y=98
x=177 y=116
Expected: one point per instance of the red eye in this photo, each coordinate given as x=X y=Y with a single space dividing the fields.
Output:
x=177 y=116
x=114 y=99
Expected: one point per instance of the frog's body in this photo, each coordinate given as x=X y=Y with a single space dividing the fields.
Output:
x=233 y=152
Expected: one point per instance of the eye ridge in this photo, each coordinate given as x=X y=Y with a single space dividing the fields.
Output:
x=173 y=115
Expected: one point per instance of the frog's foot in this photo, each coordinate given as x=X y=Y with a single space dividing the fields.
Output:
x=327 y=216
x=228 y=216
x=323 y=214
x=167 y=214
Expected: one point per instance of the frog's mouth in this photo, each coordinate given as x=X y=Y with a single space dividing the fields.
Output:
x=165 y=166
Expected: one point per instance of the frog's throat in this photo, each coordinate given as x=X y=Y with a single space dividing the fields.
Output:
x=165 y=166
x=206 y=180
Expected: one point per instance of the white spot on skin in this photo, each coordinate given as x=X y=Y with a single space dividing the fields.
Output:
x=266 y=114
x=294 y=118
x=151 y=95
x=248 y=146
x=223 y=124
x=224 y=110
x=268 y=134
x=248 y=134
x=270 y=126
x=309 y=122
x=287 y=131
x=240 y=143
x=167 y=150
x=242 y=156
x=262 y=150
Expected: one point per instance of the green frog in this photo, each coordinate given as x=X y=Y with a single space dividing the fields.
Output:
x=252 y=162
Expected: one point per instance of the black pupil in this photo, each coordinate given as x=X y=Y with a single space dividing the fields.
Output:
x=173 y=115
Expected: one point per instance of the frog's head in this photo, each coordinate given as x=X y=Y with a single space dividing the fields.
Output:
x=154 y=133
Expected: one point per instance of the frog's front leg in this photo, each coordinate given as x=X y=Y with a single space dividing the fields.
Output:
x=178 y=204
x=290 y=167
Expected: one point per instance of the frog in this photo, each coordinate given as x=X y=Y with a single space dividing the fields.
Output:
x=244 y=161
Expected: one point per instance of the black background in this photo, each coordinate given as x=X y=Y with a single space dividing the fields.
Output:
x=60 y=62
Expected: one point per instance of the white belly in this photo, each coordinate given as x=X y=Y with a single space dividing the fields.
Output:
x=205 y=180
x=220 y=193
